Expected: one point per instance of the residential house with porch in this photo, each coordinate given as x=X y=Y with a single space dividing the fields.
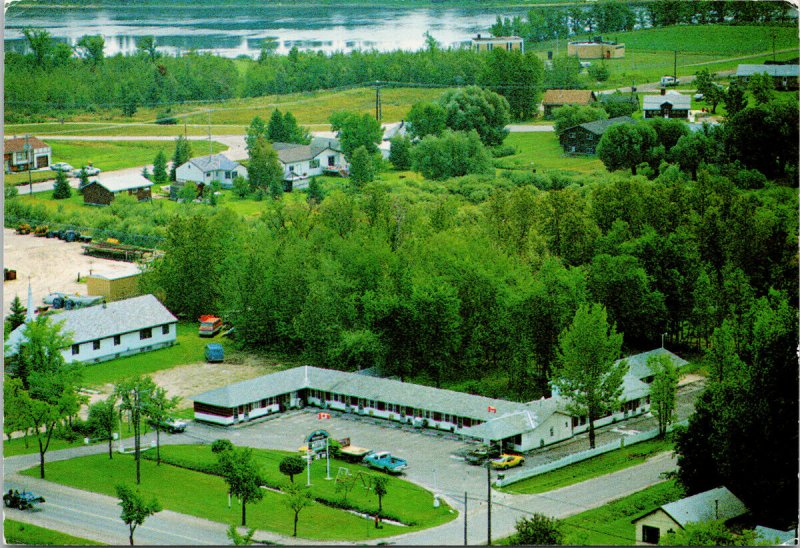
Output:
x=669 y=104
x=16 y=158
x=300 y=162
x=204 y=170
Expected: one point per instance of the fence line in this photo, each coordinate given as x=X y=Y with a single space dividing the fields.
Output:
x=583 y=455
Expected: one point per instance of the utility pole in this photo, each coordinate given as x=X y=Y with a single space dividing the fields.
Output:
x=378 y=113
x=489 y=502
x=210 y=146
x=29 y=158
x=465 y=518
x=675 y=66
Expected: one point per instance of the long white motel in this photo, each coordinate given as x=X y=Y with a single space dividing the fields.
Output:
x=518 y=426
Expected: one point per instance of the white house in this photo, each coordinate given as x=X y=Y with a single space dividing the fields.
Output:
x=514 y=425
x=108 y=331
x=205 y=169
x=300 y=162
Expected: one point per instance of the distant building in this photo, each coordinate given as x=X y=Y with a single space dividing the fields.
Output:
x=583 y=138
x=204 y=170
x=103 y=192
x=16 y=158
x=596 y=49
x=669 y=104
x=556 y=98
x=716 y=504
x=488 y=43
x=108 y=331
x=784 y=77
x=300 y=162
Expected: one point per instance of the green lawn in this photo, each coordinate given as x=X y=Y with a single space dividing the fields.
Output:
x=591 y=468
x=131 y=129
x=204 y=496
x=107 y=155
x=610 y=525
x=17 y=532
x=542 y=151
x=189 y=349
x=17 y=446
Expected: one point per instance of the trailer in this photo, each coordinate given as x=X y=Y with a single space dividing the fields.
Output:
x=117 y=251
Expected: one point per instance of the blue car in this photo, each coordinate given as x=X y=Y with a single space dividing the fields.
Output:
x=215 y=352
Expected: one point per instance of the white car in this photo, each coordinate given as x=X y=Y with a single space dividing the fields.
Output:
x=61 y=166
x=91 y=171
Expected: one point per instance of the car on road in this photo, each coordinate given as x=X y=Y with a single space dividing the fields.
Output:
x=61 y=166
x=91 y=171
x=173 y=426
x=667 y=81
x=481 y=454
x=383 y=460
x=215 y=353
x=506 y=461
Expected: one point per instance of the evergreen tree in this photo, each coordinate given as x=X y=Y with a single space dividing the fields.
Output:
x=84 y=179
x=61 y=190
x=17 y=316
x=295 y=133
x=256 y=129
x=160 y=168
x=276 y=129
x=315 y=193
x=182 y=154
x=265 y=171
x=400 y=152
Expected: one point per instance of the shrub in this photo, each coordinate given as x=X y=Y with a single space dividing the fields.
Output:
x=221 y=445
x=599 y=72
x=453 y=154
x=165 y=118
x=503 y=151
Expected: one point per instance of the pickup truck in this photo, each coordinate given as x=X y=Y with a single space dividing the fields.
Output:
x=383 y=460
x=667 y=81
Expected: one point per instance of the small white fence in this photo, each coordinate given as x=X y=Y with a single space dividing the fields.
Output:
x=582 y=455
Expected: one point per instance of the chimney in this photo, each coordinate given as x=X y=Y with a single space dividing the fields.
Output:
x=663 y=91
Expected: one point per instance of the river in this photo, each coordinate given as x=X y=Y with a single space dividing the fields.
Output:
x=240 y=30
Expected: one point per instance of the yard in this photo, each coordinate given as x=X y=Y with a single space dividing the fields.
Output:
x=542 y=151
x=16 y=532
x=205 y=496
x=107 y=155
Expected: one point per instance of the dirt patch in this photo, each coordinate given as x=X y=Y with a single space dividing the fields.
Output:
x=689 y=379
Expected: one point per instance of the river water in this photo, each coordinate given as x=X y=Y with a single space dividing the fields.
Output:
x=235 y=31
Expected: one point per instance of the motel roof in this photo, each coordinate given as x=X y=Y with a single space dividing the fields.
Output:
x=637 y=365
x=792 y=70
x=101 y=321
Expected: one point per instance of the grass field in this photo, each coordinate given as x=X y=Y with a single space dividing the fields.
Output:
x=543 y=152
x=107 y=155
x=17 y=532
x=591 y=468
x=205 y=496
x=610 y=525
x=189 y=349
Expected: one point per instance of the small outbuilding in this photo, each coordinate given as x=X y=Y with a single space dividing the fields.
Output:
x=488 y=43
x=583 y=138
x=716 y=504
x=555 y=98
x=596 y=49
x=114 y=285
x=670 y=104
x=103 y=192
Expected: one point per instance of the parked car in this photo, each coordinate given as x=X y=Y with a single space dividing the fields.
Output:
x=481 y=454
x=91 y=171
x=667 y=81
x=22 y=501
x=173 y=426
x=215 y=353
x=209 y=326
x=505 y=461
x=383 y=460
x=61 y=166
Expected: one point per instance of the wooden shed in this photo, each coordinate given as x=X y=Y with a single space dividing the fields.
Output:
x=103 y=192
x=555 y=98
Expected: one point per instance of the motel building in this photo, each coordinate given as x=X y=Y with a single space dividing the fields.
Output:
x=516 y=426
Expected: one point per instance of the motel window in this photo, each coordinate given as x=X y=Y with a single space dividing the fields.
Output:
x=96 y=345
x=145 y=334
x=76 y=348
x=509 y=46
x=489 y=47
x=437 y=416
x=263 y=403
x=381 y=406
x=165 y=329
x=117 y=340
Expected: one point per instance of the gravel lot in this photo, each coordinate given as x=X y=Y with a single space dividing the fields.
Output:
x=52 y=264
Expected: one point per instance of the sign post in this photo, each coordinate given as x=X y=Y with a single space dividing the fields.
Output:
x=316 y=442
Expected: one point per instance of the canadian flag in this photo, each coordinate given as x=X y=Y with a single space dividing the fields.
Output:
x=492 y=409
x=321 y=416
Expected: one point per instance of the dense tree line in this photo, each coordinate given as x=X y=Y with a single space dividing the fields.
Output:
x=614 y=15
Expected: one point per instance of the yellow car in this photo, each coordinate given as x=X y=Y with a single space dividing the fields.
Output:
x=504 y=462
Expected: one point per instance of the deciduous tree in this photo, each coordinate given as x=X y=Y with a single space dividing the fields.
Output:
x=134 y=397
x=426 y=118
x=587 y=373
x=158 y=409
x=242 y=475
x=663 y=390
x=573 y=115
x=356 y=130
x=103 y=417
x=298 y=498
x=537 y=530
x=473 y=108
x=291 y=466
x=400 y=152
x=135 y=509
x=362 y=167
x=626 y=146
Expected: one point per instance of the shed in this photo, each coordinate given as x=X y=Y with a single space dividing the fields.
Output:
x=715 y=504
x=583 y=138
x=596 y=49
x=669 y=105
x=555 y=98
x=102 y=192
x=114 y=285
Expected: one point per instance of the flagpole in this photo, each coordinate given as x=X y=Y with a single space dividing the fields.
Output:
x=328 y=457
